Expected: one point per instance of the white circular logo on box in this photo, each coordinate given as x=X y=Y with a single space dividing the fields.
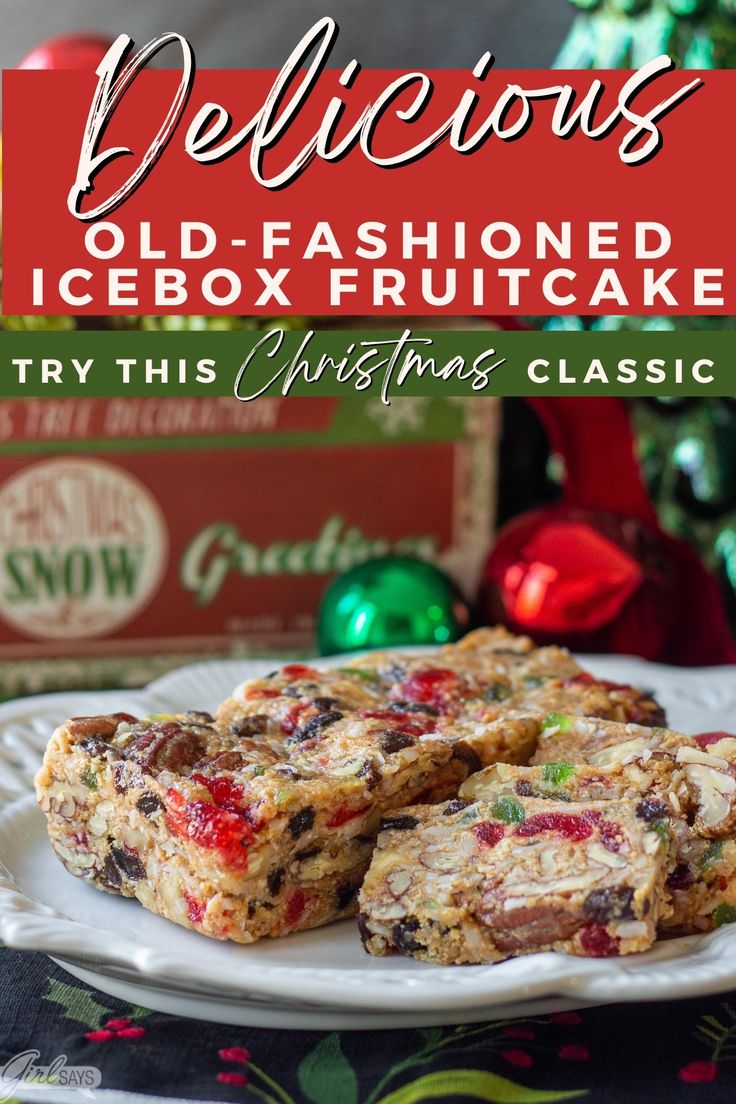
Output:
x=83 y=547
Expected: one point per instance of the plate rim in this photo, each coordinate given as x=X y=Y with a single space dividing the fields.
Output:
x=692 y=966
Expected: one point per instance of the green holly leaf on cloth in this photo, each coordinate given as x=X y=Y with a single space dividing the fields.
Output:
x=475 y=1085
x=326 y=1076
x=78 y=1003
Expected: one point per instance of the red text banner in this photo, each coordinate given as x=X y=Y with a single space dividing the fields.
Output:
x=251 y=205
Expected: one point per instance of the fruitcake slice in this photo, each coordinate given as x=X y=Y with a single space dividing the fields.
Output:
x=702 y=884
x=277 y=706
x=487 y=665
x=236 y=837
x=475 y=883
x=564 y=737
x=652 y=784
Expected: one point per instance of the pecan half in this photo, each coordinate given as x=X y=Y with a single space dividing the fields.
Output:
x=166 y=746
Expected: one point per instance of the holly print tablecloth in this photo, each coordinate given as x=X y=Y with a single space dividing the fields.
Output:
x=684 y=1051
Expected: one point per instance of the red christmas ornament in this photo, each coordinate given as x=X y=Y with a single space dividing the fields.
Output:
x=596 y=571
x=72 y=51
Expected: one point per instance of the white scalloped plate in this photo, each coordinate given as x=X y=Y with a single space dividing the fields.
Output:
x=321 y=977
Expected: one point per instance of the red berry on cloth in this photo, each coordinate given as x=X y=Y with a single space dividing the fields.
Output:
x=517 y=1058
x=574 y=1053
x=131 y=1033
x=235 y=1054
x=232 y=1079
x=699 y=1072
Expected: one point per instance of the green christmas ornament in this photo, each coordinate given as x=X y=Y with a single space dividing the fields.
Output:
x=624 y=34
x=388 y=602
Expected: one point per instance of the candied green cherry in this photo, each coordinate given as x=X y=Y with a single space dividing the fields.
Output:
x=724 y=914
x=509 y=810
x=556 y=774
x=366 y=674
x=557 y=720
x=713 y=854
x=89 y=778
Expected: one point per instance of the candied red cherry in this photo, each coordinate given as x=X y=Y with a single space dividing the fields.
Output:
x=568 y=825
x=292 y=719
x=705 y=739
x=295 y=908
x=195 y=908
x=490 y=832
x=586 y=679
x=209 y=827
x=345 y=813
x=226 y=793
x=436 y=686
x=595 y=941
x=299 y=671
x=410 y=723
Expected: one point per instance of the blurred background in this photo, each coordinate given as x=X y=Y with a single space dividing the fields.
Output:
x=260 y=33
x=606 y=525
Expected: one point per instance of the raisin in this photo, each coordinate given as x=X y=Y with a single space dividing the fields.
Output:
x=302 y=821
x=314 y=726
x=680 y=878
x=110 y=873
x=324 y=704
x=402 y=936
x=307 y=853
x=607 y=905
x=119 y=778
x=275 y=880
x=455 y=807
x=166 y=746
x=128 y=863
x=524 y=788
x=651 y=810
x=370 y=773
x=468 y=755
x=395 y=740
x=287 y=771
x=96 y=747
x=345 y=894
x=148 y=804
x=364 y=931
x=250 y=726
x=197 y=717
x=414 y=707
x=398 y=823
x=393 y=672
